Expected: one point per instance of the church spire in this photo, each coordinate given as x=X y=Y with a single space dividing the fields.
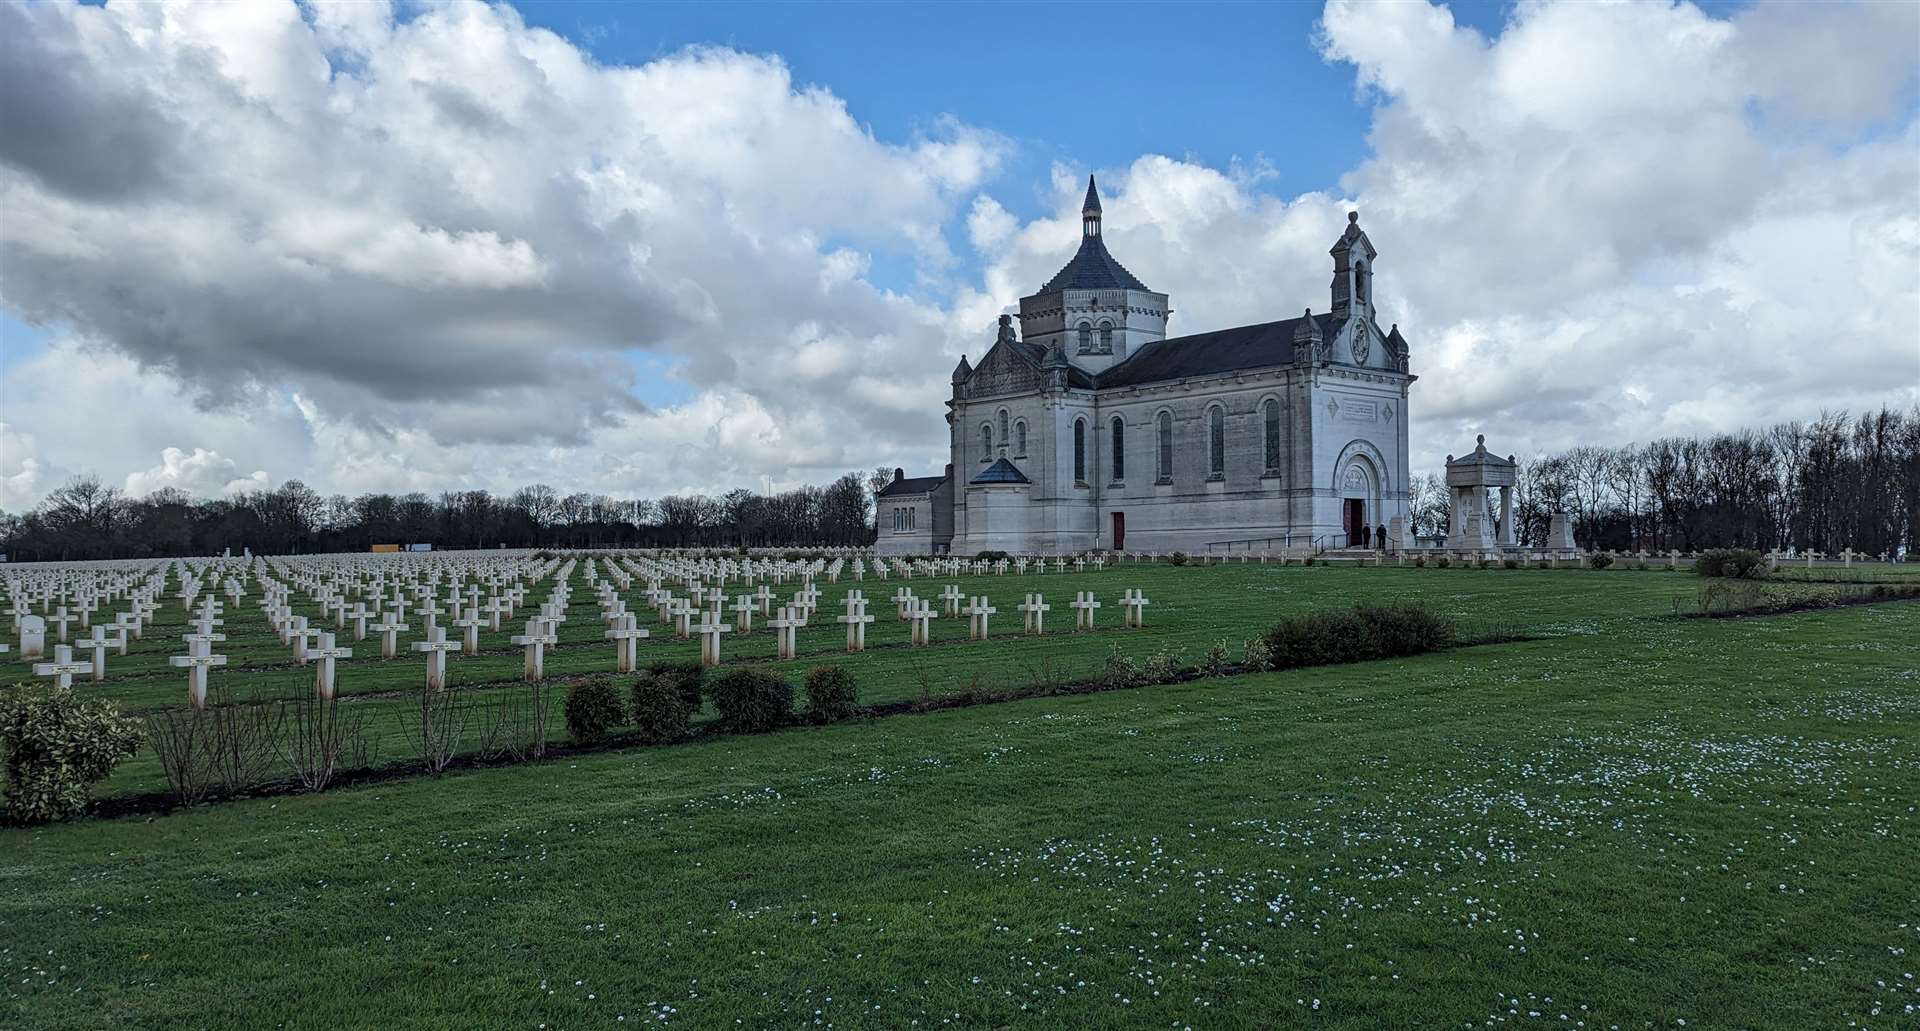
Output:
x=1090 y=211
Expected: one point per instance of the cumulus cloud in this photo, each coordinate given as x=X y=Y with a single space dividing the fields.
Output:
x=420 y=253
x=203 y=473
x=451 y=226
x=22 y=479
x=1607 y=223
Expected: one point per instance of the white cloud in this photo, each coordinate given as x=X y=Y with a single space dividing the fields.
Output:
x=21 y=476
x=397 y=255
x=445 y=230
x=203 y=473
x=1607 y=224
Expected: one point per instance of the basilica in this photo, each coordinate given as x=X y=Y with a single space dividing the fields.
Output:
x=1091 y=429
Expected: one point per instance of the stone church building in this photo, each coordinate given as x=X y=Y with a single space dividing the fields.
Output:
x=1092 y=429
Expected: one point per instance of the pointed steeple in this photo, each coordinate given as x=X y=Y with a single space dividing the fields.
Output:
x=1090 y=211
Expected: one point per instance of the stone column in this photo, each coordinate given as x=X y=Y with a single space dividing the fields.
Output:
x=1507 y=536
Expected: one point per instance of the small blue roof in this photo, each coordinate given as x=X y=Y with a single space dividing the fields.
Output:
x=1001 y=471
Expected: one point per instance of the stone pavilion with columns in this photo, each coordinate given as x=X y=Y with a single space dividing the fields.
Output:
x=1090 y=428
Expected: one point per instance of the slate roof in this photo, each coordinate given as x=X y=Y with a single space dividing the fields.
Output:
x=912 y=485
x=1092 y=268
x=1224 y=350
x=1001 y=471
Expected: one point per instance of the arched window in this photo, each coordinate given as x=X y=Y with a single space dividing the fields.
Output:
x=1272 y=412
x=1003 y=427
x=1359 y=282
x=1086 y=338
x=911 y=521
x=1020 y=439
x=986 y=442
x=1119 y=449
x=1216 y=443
x=1106 y=338
x=1079 y=450
x=1165 y=433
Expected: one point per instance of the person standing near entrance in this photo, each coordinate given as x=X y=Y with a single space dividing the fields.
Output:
x=1380 y=536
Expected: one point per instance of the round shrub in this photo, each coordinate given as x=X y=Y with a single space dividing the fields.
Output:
x=1734 y=563
x=1443 y=562
x=1162 y=668
x=1405 y=628
x=660 y=709
x=751 y=700
x=1598 y=560
x=1178 y=558
x=1120 y=670
x=1512 y=563
x=593 y=711
x=687 y=678
x=832 y=695
x=57 y=747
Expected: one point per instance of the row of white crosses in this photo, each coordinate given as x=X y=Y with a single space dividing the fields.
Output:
x=309 y=643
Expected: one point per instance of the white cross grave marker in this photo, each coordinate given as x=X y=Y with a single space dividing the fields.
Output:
x=626 y=636
x=1084 y=607
x=785 y=631
x=436 y=646
x=540 y=633
x=389 y=629
x=977 y=612
x=62 y=667
x=710 y=631
x=1036 y=609
x=327 y=652
x=856 y=619
x=922 y=618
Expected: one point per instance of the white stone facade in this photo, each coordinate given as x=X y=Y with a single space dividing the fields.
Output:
x=1286 y=433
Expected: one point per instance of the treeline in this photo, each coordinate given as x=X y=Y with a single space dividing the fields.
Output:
x=86 y=519
x=1836 y=483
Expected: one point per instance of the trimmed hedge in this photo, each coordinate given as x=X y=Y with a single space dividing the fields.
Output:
x=593 y=710
x=1363 y=633
x=752 y=700
x=832 y=694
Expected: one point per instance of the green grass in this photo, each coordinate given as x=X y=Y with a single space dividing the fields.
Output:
x=1632 y=820
x=1192 y=608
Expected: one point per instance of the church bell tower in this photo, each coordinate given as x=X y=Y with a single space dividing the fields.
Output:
x=1093 y=310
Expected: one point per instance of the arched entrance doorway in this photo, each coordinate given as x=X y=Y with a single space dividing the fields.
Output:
x=1359 y=502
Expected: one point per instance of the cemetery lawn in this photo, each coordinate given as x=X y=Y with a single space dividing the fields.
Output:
x=1630 y=820
x=1192 y=608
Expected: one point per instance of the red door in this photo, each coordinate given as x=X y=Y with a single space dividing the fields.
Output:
x=1119 y=531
